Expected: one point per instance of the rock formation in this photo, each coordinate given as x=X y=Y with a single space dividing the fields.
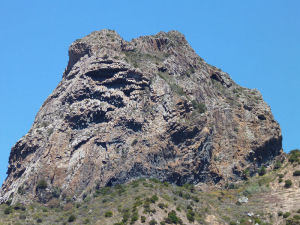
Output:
x=150 y=107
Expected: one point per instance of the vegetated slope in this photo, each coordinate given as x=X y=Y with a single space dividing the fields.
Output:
x=263 y=199
x=148 y=108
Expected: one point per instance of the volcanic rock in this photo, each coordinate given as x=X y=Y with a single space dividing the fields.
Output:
x=150 y=108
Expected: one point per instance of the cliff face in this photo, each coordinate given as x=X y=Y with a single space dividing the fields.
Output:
x=150 y=107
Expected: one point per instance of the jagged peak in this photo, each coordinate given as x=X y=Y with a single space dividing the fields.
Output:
x=110 y=39
x=145 y=108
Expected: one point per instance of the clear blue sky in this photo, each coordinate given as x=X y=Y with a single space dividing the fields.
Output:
x=257 y=42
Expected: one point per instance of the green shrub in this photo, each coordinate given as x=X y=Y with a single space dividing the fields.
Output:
x=108 y=214
x=152 y=222
x=292 y=221
x=86 y=221
x=246 y=173
x=296 y=217
x=19 y=206
x=280 y=175
x=71 y=218
x=288 y=183
x=155 y=180
x=280 y=213
x=296 y=173
x=294 y=156
x=280 y=180
x=154 y=198
x=161 y=205
x=8 y=210
x=126 y=215
x=56 y=192
x=286 y=214
x=195 y=198
x=189 y=207
x=230 y=186
x=172 y=218
x=165 y=183
x=41 y=184
x=199 y=106
x=134 y=217
x=143 y=219
x=190 y=215
x=277 y=165
x=39 y=220
x=262 y=171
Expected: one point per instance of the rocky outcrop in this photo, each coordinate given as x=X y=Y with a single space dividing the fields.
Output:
x=150 y=107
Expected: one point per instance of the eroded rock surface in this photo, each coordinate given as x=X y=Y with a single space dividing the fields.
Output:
x=150 y=107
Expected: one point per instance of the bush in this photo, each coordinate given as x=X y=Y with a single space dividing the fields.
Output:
x=195 y=198
x=286 y=215
x=230 y=186
x=262 y=171
x=154 y=198
x=134 y=217
x=296 y=217
x=200 y=106
x=19 y=206
x=56 y=192
x=277 y=165
x=143 y=219
x=172 y=218
x=294 y=156
x=296 y=173
x=41 y=184
x=108 y=214
x=288 y=183
x=190 y=215
x=126 y=215
x=246 y=173
x=152 y=222
x=161 y=205
x=86 y=221
x=280 y=213
x=292 y=221
x=8 y=210
x=71 y=218
x=39 y=220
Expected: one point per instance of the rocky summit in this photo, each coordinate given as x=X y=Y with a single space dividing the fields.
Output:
x=148 y=108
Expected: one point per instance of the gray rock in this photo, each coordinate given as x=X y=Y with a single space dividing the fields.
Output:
x=150 y=107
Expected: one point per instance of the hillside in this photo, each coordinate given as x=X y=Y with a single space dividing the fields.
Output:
x=266 y=198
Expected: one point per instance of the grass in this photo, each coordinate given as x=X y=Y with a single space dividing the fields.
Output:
x=138 y=59
x=137 y=201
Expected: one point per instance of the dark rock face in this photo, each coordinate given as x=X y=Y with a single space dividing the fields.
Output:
x=146 y=108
